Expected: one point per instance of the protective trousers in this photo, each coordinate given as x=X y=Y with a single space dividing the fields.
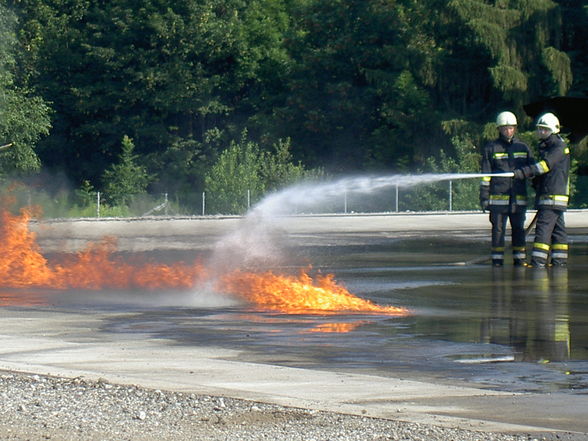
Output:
x=517 y=225
x=550 y=238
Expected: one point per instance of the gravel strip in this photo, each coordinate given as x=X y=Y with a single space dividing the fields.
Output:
x=35 y=407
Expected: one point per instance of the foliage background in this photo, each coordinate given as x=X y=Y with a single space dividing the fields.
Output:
x=216 y=96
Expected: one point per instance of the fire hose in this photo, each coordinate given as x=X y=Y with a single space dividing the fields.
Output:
x=489 y=175
x=501 y=175
x=486 y=258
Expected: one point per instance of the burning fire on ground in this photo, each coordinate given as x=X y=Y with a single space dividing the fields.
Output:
x=299 y=294
x=22 y=265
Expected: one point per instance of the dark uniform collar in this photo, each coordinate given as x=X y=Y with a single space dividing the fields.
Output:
x=506 y=140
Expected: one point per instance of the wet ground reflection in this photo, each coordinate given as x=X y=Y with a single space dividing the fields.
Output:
x=511 y=328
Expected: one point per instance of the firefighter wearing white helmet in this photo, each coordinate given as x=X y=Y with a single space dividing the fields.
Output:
x=506 y=119
x=505 y=198
x=548 y=121
x=551 y=182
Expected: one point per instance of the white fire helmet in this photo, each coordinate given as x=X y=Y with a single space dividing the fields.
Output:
x=506 y=119
x=549 y=121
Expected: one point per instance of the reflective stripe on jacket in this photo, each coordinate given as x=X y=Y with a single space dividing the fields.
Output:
x=552 y=174
x=500 y=156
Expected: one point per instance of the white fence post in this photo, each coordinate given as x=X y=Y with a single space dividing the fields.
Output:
x=97 y=204
x=203 y=203
x=450 y=195
x=396 y=202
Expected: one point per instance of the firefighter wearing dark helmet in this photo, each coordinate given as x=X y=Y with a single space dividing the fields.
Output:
x=551 y=182
x=504 y=197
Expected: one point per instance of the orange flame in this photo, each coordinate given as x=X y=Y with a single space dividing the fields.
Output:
x=101 y=270
x=23 y=265
x=339 y=328
x=299 y=294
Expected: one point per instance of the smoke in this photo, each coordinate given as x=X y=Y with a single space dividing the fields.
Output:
x=257 y=243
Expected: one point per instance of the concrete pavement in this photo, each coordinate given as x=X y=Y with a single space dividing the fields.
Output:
x=141 y=234
x=71 y=345
x=53 y=341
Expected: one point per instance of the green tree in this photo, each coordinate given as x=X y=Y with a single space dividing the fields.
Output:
x=498 y=54
x=277 y=167
x=355 y=84
x=24 y=117
x=86 y=194
x=234 y=177
x=373 y=81
x=166 y=73
x=355 y=96
x=464 y=196
x=574 y=37
x=244 y=169
x=125 y=179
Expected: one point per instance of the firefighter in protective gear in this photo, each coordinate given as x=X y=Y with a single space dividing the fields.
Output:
x=551 y=182
x=505 y=198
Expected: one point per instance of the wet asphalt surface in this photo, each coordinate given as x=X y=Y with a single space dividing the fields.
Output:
x=511 y=329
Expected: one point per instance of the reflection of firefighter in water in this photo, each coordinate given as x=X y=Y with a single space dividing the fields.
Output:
x=496 y=328
x=531 y=316
x=552 y=327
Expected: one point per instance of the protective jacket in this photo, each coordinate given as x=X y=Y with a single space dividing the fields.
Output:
x=551 y=174
x=504 y=194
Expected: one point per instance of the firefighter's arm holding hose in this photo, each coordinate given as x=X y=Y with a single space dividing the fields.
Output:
x=552 y=149
x=519 y=173
x=531 y=171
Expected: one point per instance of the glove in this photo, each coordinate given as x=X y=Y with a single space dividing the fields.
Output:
x=484 y=197
x=518 y=174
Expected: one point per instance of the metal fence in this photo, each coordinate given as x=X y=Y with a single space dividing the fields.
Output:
x=440 y=196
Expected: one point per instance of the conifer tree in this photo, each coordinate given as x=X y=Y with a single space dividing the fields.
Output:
x=575 y=42
x=125 y=179
x=509 y=52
